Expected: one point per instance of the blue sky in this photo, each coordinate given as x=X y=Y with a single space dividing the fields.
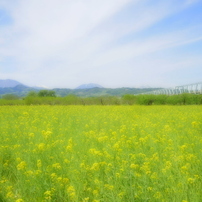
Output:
x=115 y=43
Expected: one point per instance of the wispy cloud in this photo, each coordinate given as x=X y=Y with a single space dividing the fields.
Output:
x=64 y=39
x=189 y=2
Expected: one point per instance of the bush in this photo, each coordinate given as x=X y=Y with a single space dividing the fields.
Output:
x=129 y=99
x=181 y=99
x=10 y=97
x=146 y=99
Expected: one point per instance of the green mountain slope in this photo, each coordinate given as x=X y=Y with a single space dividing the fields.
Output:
x=22 y=91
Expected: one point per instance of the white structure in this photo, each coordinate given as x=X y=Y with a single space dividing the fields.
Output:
x=195 y=88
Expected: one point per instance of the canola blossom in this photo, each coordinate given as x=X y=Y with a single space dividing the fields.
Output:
x=100 y=153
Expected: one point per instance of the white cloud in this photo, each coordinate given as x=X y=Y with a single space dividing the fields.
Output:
x=189 y=2
x=60 y=39
x=47 y=27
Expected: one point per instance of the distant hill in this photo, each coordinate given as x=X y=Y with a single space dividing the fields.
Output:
x=86 y=90
x=88 y=86
x=8 y=83
x=19 y=90
x=95 y=92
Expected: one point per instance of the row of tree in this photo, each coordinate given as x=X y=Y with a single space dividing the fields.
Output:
x=41 y=93
x=49 y=97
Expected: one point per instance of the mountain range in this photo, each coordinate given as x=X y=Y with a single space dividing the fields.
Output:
x=8 y=83
x=88 y=86
x=9 y=86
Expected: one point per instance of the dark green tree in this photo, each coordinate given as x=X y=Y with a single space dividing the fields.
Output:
x=46 y=93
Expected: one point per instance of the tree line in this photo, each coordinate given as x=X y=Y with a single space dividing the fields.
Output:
x=48 y=97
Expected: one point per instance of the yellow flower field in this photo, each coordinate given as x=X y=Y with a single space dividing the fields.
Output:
x=100 y=153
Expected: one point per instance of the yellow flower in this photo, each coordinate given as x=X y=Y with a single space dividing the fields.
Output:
x=10 y=194
x=134 y=165
x=118 y=175
x=57 y=166
x=70 y=189
x=121 y=194
x=66 y=161
x=71 y=192
x=194 y=124
x=95 y=166
x=191 y=180
x=48 y=195
x=108 y=186
x=65 y=180
x=37 y=172
x=19 y=200
x=86 y=199
x=41 y=146
x=29 y=172
x=53 y=175
x=46 y=134
x=149 y=188
x=31 y=135
x=39 y=163
x=22 y=165
x=95 y=192
x=103 y=138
